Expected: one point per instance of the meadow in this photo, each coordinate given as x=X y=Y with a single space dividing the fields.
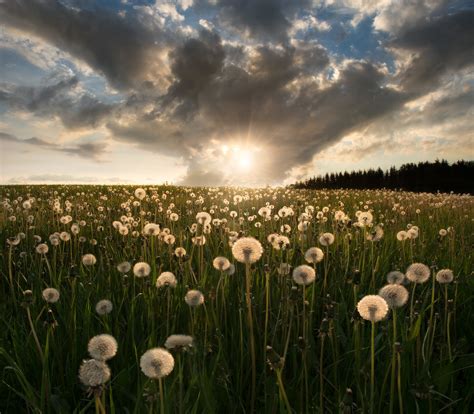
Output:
x=119 y=299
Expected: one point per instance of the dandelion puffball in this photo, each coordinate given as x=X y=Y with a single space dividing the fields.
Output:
x=304 y=275
x=221 y=263
x=104 y=307
x=93 y=373
x=157 y=363
x=102 y=347
x=141 y=269
x=124 y=267
x=326 y=239
x=372 y=308
x=51 y=295
x=166 y=279
x=314 y=255
x=247 y=250
x=395 y=277
x=418 y=273
x=179 y=341
x=89 y=259
x=194 y=298
x=395 y=295
x=42 y=248
x=445 y=276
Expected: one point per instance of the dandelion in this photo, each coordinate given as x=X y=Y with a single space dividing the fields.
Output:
x=124 y=267
x=179 y=342
x=151 y=229
x=42 y=248
x=166 y=279
x=50 y=295
x=372 y=308
x=304 y=275
x=395 y=295
x=157 y=363
x=89 y=259
x=221 y=263
x=402 y=235
x=230 y=270
x=93 y=373
x=247 y=250
x=203 y=218
x=194 y=298
x=102 y=347
x=180 y=252
x=140 y=193
x=104 y=307
x=444 y=276
x=418 y=273
x=395 y=277
x=141 y=269
x=284 y=269
x=314 y=255
x=326 y=239
x=365 y=218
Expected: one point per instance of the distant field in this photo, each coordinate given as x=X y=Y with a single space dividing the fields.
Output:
x=270 y=292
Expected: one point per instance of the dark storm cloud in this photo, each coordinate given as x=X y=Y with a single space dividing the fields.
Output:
x=60 y=99
x=117 y=47
x=262 y=19
x=89 y=150
x=440 y=45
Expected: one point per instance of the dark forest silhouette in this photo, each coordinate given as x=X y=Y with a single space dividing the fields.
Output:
x=421 y=177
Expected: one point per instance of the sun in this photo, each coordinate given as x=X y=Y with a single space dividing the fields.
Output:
x=242 y=158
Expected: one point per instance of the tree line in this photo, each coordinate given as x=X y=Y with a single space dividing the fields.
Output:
x=422 y=177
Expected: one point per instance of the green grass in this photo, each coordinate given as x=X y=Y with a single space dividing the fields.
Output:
x=325 y=344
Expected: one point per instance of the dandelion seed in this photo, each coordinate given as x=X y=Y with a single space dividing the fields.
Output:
x=157 y=363
x=141 y=269
x=372 y=308
x=166 y=279
x=314 y=255
x=230 y=270
x=284 y=269
x=444 y=276
x=180 y=252
x=194 y=298
x=418 y=273
x=104 y=307
x=395 y=277
x=140 y=193
x=42 y=248
x=247 y=250
x=102 y=347
x=221 y=263
x=395 y=295
x=304 y=275
x=93 y=373
x=89 y=259
x=124 y=267
x=326 y=239
x=51 y=295
x=179 y=342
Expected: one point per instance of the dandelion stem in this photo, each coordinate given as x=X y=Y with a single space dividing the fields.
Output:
x=372 y=367
x=252 y=339
x=33 y=332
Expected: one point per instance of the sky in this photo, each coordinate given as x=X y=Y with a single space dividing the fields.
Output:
x=231 y=92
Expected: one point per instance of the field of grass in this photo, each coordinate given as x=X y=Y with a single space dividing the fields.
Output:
x=267 y=338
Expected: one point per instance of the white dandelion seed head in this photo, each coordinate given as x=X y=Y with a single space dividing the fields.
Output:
x=221 y=263
x=194 y=298
x=445 y=276
x=42 y=248
x=93 y=373
x=166 y=279
x=314 y=255
x=157 y=363
x=372 y=308
x=104 y=307
x=284 y=269
x=102 y=347
x=89 y=259
x=151 y=229
x=140 y=193
x=180 y=252
x=50 y=295
x=326 y=239
x=395 y=277
x=247 y=250
x=141 y=269
x=402 y=235
x=395 y=295
x=418 y=273
x=365 y=218
x=124 y=267
x=230 y=270
x=203 y=218
x=179 y=341
x=304 y=275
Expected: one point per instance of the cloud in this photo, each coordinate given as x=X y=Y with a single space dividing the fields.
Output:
x=89 y=150
x=63 y=178
x=125 y=50
x=60 y=98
